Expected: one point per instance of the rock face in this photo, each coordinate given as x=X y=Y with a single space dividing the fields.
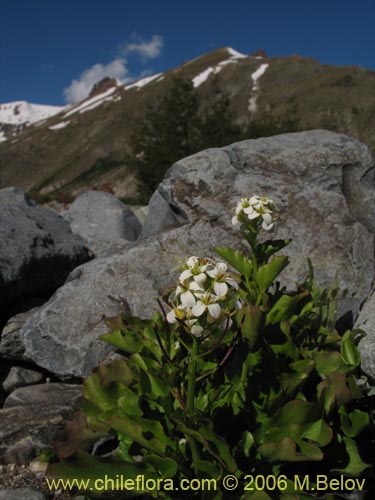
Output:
x=14 y=195
x=63 y=336
x=33 y=417
x=366 y=321
x=37 y=252
x=19 y=377
x=322 y=183
x=100 y=217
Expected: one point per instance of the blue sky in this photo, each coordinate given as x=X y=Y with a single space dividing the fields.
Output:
x=52 y=50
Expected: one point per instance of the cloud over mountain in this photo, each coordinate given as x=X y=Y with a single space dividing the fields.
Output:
x=117 y=68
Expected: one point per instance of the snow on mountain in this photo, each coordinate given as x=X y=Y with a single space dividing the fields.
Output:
x=92 y=103
x=22 y=112
x=233 y=58
x=252 y=107
x=235 y=53
x=141 y=83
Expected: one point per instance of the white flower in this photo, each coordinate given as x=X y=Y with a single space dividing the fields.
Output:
x=221 y=278
x=254 y=208
x=176 y=313
x=195 y=329
x=207 y=301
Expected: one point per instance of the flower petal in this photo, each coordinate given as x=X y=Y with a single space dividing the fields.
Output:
x=200 y=278
x=214 y=310
x=198 y=309
x=185 y=275
x=171 y=317
x=221 y=289
x=197 y=330
x=235 y=221
x=187 y=299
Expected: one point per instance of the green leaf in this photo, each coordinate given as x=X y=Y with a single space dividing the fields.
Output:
x=252 y=318
x=88 y=468
x=349 y=351
x=104 y=398
x=126 y=341
x=270 y=247
x=135 y=429
x=117 y=371
x=221 y=446
x=286 y=450
x=319 y=431
x=268 y=272
x=237 y=260
x=129 y=404
x=334 y=390
x=247 y=443
x=284 y=307
x=353 y=423
x=209 y=469
x=355 y=465
x=166 y=467
x=328 y=362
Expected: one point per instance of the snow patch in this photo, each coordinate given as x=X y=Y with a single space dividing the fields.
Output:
x=233 y=59
x=252 y=107
x=202 y=77
x=87 y=105
x=235 y=54
x=2 y=136
x=60 y=125
x=22 y=112
x=141 y=83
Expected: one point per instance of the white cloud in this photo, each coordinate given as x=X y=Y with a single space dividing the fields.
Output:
x=145 y=50
x=118 y=68
x=79 y=89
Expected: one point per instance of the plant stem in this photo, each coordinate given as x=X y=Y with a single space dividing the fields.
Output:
x=192 y=373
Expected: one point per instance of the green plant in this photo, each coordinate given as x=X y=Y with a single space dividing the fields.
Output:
x=239 y=378
x=178 y=127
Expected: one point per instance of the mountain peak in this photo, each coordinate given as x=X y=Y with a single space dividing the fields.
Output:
x=102 y=86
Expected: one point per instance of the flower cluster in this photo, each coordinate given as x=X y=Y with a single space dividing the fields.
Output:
x=257 y=209
x=203 y=293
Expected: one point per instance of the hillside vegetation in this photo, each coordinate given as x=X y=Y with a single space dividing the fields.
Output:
x=92 y=146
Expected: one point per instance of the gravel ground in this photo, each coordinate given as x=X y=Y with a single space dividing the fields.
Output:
x=21 y=476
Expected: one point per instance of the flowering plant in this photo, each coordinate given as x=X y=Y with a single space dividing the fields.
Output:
x=238 y=378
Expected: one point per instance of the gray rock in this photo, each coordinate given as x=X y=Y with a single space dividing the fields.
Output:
x=63 y=336
x=33 y=418
x=322 y=182
x=11 y=346
x=22 y=494
x=100 y=216
x=19 y=377
x=304 y=173
x=55 y=394
x=37 y=252
x=366 y=321
x=15 y=195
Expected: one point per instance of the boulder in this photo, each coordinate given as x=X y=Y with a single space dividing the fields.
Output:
x=101 y=217
x=19 y=377
x=14 y=194
x=366 y=321
x=322 y=183
x=63 y=336
x=37 y=252
x=33 y=418
x=11 y=346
